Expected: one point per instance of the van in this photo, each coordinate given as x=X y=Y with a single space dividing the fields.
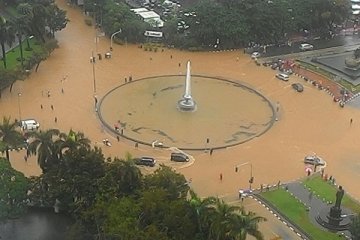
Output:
x=179 y=157
x=145 y=161
x=282 y=76
x=29 y=124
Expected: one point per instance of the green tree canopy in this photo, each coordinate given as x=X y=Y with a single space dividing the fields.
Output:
x=13 y=191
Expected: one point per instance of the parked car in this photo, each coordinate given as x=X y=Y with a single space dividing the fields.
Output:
x=179 y=157
x=282 y=76
x=255 y=55
x=306 y=47
x=29 y=124
x=298 y=87
x=145 y=161
x=314 y=160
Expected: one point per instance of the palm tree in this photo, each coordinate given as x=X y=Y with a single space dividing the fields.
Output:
x=72 y=141
x=9 y=135
x=26 y=11
x=6 y=36
x=43 y=144
x=221 y=218
x=203 y=208
x=21 y=26
x=246 y=223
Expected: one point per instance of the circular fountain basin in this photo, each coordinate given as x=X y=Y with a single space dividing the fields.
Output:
x=227 y=112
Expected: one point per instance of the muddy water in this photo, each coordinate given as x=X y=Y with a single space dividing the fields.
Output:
x=227 y=113
x=307 y=122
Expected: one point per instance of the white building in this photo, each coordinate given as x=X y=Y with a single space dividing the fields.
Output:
x=150 y=17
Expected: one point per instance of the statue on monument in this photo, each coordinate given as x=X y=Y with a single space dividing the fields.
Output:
x=353 y=62
x=339 y=197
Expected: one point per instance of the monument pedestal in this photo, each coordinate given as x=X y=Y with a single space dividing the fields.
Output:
x=335 y=216
x=331 y=218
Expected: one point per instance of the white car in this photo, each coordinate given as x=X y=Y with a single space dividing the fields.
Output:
x=306 y=47
x=255 y=55
x=282 y=76
x=29 y=124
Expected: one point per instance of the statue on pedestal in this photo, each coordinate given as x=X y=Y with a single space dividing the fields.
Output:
x=353 y=62
x=339 y=197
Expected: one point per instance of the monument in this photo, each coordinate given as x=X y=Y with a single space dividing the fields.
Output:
x=335 y=218
x=353 y=62
x=187 y=103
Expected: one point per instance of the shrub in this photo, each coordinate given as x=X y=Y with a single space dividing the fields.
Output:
x=88 y=21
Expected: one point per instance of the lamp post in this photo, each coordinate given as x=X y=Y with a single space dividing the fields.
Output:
x=95 y=25
x=111 y=39
x=19 y=105
x=93 y=71
x=251 y=179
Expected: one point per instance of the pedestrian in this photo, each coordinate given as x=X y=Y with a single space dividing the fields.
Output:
x=150 y=58
x=211 y=151
x=25 y=158
x=261 y=187
x=170 y=56
x=130 y=78
x=48 y=93
x=237 y=59
x=62 y=90
x=179 y=64
x=41 y=106
x=52 y=107
x=278 y=184
x=310 y=195
x=118 y=138
x=125 y=80
x=221 y=176
x=122 y=132
x=136 y=145
x=55 y=119
x=351 y=121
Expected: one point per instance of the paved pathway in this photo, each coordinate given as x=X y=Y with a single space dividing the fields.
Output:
x=312 y=202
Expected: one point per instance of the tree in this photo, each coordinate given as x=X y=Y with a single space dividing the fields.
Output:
x=13 y=191
x=72 y=141
x=355 y=227
x=203 y=209
x=9 y=135
x=220 y=220
x=126 y=176
x=56 y=20
x=244 y=224
x=6 y=37
x=174 y=184
x=21 y=26
x=43 y=145
x=74 y=180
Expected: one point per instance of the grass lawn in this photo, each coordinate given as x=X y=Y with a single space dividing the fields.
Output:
x=327 y=191
x=296 y=212
x=11 y=56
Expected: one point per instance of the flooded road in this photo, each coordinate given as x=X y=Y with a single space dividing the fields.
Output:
x=308 y=122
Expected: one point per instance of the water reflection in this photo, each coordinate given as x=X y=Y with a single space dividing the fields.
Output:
x=36 y=225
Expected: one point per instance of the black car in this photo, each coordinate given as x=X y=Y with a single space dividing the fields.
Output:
x=179 y=157
x=145 y=161
x=298 y=87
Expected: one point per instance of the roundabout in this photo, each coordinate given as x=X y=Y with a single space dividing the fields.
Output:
x=145 y=111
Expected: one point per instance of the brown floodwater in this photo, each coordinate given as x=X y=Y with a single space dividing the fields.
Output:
x=227 y=113
x=308 y=122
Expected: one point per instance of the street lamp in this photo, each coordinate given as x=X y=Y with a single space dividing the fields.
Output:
x=111 y=39
x=251 y=179
x=19 y=95
x=93 y=71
